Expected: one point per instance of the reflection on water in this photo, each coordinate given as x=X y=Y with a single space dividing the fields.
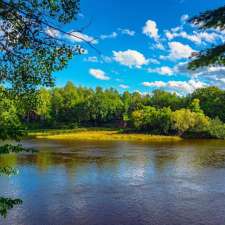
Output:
x=104 y=183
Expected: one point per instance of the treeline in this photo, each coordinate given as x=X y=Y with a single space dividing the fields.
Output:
x=199 y=114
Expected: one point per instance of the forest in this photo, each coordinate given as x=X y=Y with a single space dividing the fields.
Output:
x=199 y=114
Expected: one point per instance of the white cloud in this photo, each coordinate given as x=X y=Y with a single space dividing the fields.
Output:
x=186 y=86
x=80 y=37
x=181 y=86
x=210 y=71
x=153 y=61
x=124 y=86
x=164 y=70
x=179 y=51
x=158 y=84
x=150 y=29
x=127 y=32
x=212 y=75
x=196 y=36
x=109 y=36
x=98 y=74
x=130 y=58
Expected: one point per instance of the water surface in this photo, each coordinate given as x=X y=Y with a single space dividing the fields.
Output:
x=117 y=183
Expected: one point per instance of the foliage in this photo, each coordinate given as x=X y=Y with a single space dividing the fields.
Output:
x=30 y=52
x=214 y=19
x=195 y=106
x=152 y=120
x=212 y=101
x=7 y=204
x=216 y=129
x=10 y=124
x=160 y=113
x=161 y=99
x=185 y=120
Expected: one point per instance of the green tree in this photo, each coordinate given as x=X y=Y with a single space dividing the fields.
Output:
x=104 y=107
x=43 y=108
x=213 y=19
x=212 y=101
x=195 y=106
x=184 y=120
x=161 y=99
x=152 y=120
x=30 y=54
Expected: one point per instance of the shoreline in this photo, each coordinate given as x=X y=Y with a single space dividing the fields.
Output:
x=90 y=134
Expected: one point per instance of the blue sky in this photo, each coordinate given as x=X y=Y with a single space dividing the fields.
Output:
x=144 y=45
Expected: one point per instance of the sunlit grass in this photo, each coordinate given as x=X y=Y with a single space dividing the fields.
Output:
x=104 y=135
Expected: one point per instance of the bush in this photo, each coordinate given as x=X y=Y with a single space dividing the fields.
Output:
x=152 y=120
x=216 y=129
x=185 y=121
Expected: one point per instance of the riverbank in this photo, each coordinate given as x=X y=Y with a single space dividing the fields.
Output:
x=99 y=135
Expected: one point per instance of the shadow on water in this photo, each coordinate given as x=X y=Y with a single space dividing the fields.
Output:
x=100 y=183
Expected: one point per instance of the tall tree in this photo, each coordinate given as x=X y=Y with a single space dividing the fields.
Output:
x=31 y=52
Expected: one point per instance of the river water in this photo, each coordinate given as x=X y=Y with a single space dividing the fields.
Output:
x=117 y=183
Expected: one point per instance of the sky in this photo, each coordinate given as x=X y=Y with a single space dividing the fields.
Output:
x=144 y=45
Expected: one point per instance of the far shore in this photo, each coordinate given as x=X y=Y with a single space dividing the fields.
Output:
x=99 y=134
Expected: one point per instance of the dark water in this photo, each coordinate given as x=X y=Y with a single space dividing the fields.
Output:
x=118 y=183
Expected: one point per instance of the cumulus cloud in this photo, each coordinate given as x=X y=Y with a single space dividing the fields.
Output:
x=98 y=74
x=213 y=75
x=180 y=86
x=80 y=37
x=124 y=86
x=178 y=51
x=150 y=29
x=210 y=71
x=130 y=58
x=196 y=37
x=164 y=70
x=186 y=86
x=157 y=84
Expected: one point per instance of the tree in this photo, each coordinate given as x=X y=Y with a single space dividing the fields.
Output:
x=104 y=107
x=195 y=106
x=43 y=108
x=184 y=120
x=11 y=128
x=214 y=19
x=30 y=54
x=161 y=98
x=28 y=39
x=152 y=120
x=212 y=101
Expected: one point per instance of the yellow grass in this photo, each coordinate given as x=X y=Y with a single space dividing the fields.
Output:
x=105 y=136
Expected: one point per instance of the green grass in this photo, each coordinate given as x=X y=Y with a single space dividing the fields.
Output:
x=100 y=134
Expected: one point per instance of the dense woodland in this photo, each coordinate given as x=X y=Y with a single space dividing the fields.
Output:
x=200 y=114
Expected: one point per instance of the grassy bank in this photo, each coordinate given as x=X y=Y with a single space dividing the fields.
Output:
x=99 y=134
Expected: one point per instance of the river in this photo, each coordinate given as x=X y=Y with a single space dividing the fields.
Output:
x=117 y=183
